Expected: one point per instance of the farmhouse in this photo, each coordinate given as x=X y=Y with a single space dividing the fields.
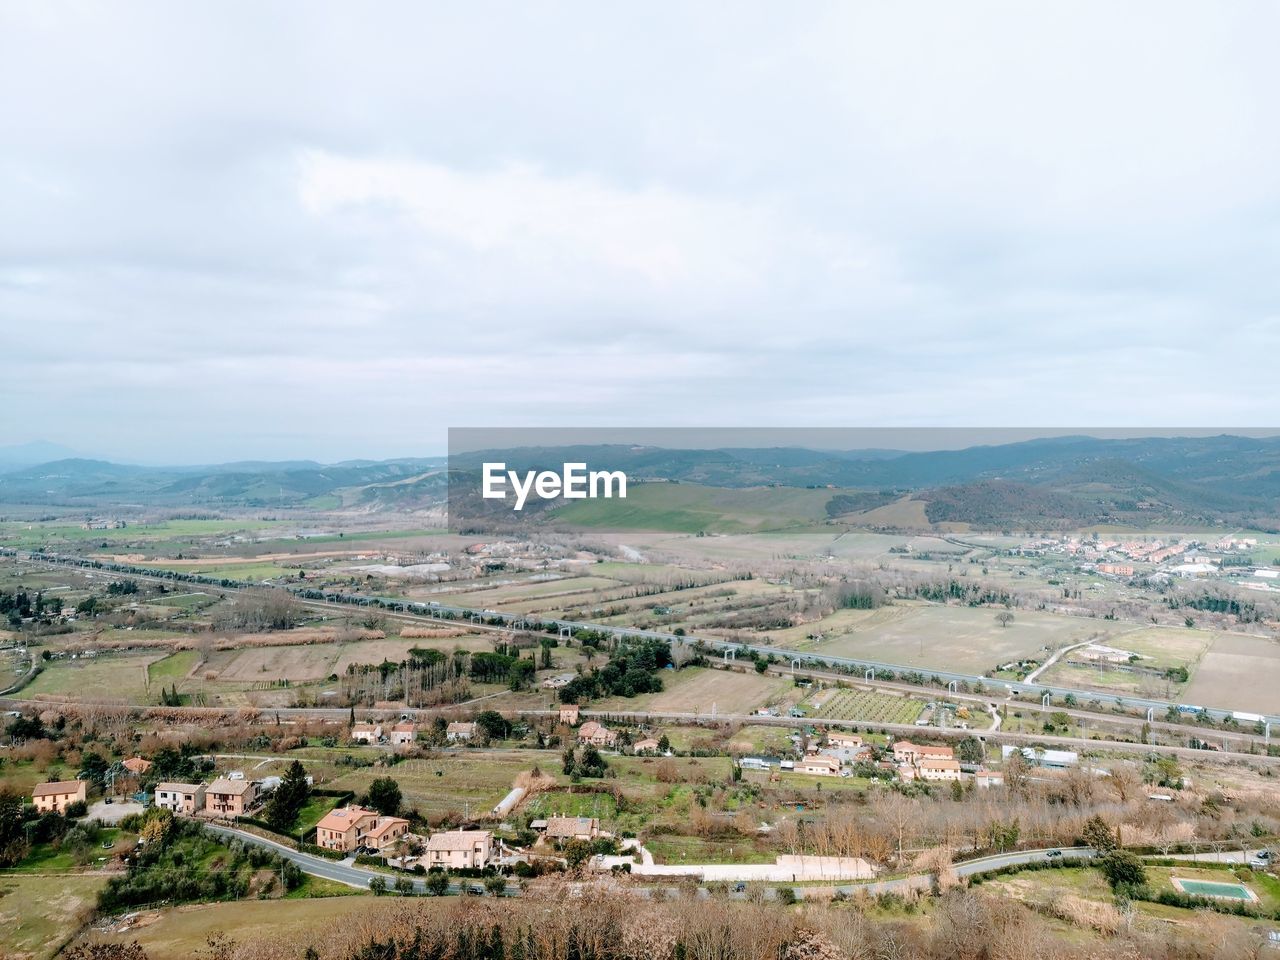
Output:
x=229 y=798
x=347 y=828
x=569 y=714
x=460 y=731
x=596 y=734
x=460 y=849
x=180 y=797
x=366 y=732
x=988 y=778
x=56 y=795
x=403 y=734
x=647 y=745
x=572 y=828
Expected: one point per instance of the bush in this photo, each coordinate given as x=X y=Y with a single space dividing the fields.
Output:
x=786 y=896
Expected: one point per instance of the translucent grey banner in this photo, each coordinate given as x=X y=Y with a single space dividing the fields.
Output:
x=740 y=479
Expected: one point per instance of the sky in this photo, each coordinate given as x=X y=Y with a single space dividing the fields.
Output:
x=282 y=230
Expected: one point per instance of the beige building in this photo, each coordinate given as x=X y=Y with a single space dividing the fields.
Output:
x=404 y=734
x=647 y=745
x=347 y=828
x=460 y=731
x=904 y=751
x=572 y=828
x=596 y=734
x=459 y=849
x=569 y=714
x=819 y=764
x=180 y=797
x=366 y=732
x=230 y=798
x=843 y=741
x=988 y=778
x=938 y=768
x=59 y=793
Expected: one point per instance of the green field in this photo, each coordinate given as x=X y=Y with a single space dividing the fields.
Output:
x=38 y=914
x=689 y=508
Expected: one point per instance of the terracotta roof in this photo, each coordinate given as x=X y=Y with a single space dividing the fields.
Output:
x=57 y=788
x=233 y=787
x=571 y=826
x=136 y=765
x=383 y=825
x=458 y=839
x=343 y=818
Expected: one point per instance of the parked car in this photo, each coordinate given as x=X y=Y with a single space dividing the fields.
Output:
x=1262 y=860
x=1054 y=853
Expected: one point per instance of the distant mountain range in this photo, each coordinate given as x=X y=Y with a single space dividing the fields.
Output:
x=1040 y=483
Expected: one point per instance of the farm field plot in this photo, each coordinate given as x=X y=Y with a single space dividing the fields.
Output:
x=523 y=597
x=1163 y=646
x=38 y=913
x=456 y=782
x=760 y=739
x=690 y=508
x=1109 y=679
x=962 y=639
x=704 y=689
x=870 y=706
x=1238 y=672
x=179 y=933
x=118 y=677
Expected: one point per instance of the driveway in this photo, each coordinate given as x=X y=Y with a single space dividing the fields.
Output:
x=113 y=813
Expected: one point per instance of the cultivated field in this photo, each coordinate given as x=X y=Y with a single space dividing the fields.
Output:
x=179 y=933
x=120 y=677
x=703 y=689
x=863 y=705
x=38 y=913
x=1239 y=672
x=932 y=636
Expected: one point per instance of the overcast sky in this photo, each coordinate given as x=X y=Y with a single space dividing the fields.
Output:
x=308 y=230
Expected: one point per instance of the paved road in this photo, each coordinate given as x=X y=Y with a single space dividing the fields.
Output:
x=347 y=873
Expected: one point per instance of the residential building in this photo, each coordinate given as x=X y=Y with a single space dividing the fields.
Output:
x=57 y=794
x=938 y=768
x=647 y=745
x=180 y=797
x=572 y=828
x=460 y=731
x=347 y=828
x=843 y=741
x=366 y=732
x=904 y=751
x=596 y=734
x=558 y=681
x=819 y=764
x=404 y=734
x=459 y=849
x=229 y=798
x=136 y=765
x=569 y=714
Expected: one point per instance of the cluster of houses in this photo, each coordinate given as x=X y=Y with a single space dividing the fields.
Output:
x=401 y=734
x=911 y=761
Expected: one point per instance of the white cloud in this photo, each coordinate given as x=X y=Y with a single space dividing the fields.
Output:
x=379 y=225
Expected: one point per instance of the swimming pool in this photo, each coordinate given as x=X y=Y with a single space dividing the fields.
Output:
x=1210 y=888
